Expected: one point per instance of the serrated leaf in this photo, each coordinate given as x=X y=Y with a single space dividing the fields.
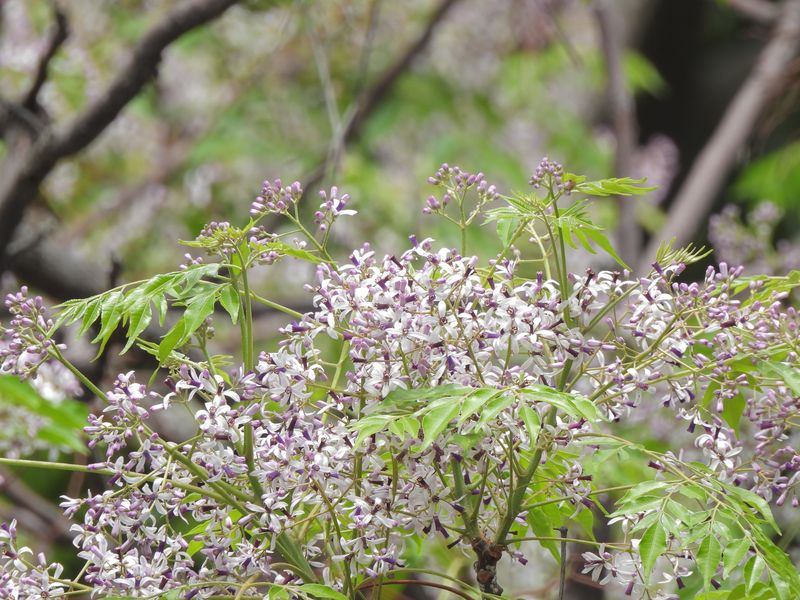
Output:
x=368 y=426
x=614 y=186
x=229 y=299
x=474 y=401
x=754 y=500
x=708 y=558
x=435 y=422
x=599 y=238
x=789 y=375
x=779 y=564
x=321 y=591
x=198 y=308
x=572 y=405
x=294 y=556
x=532 y=422
x=110 y=316
x=733 y=555
x=505 y=229
x=140 y=317
x=90 y=315
x=652 y=545
x=494 y=407
x=753 y=570
x=402 y=398
x=170 y=341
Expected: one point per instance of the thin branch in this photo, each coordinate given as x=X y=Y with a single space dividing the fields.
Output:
x=384 y=85
x=715 y=162
x=22 y=182
x=623 y=111
x=375 y=94
x=57 y=39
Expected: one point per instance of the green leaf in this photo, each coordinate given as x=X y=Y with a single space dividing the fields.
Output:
x=229 y=299
x=110 y=316
x=139 y=318
x=436 y=421
x=475 y=400
x=601 y=240
x=63 y=422
x=170 y=340
x=368 y=426
x=532 y=422
x=322 y=591
x=753 y=570
x=733 y=555
x=708 y=558
x=652 y=545
x=494 y=407
x=780 y=565
x=732 y=411
x=506 y=229
x=401 y=398
x=789 y=375
x=198 y=308
x=61 y=437
x=614 y=186
x=543 y=521
x=572 y=405
x=294 y=556
x=748 y=498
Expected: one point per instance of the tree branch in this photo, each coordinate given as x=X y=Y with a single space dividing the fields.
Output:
x=367 y=103
x=22 y=181
x=57 y=39
x=708 y=173
x=623 y=114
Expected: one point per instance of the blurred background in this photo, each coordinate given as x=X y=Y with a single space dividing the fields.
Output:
x=128 y=124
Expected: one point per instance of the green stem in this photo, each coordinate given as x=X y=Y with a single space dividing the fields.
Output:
x=54 y=466
x=77 y=372
x=461 y=495
x=276 y=306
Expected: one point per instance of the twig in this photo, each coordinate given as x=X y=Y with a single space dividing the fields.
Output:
x=375 y=94
x=629 y=234
x=57 y=39
x=562 y=579
x=707 y=175
x=21 y=183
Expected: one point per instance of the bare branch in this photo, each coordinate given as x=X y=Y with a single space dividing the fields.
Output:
x=706 y=177
x=57 y=38
x=21 y=183
x=372 y=97
x=381 y=88
x=623 y=113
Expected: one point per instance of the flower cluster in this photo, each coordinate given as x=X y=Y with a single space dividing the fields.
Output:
x=465 y=398
x=456 y=184
x=25 y=342
x=549 y=173
x=276 y=198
